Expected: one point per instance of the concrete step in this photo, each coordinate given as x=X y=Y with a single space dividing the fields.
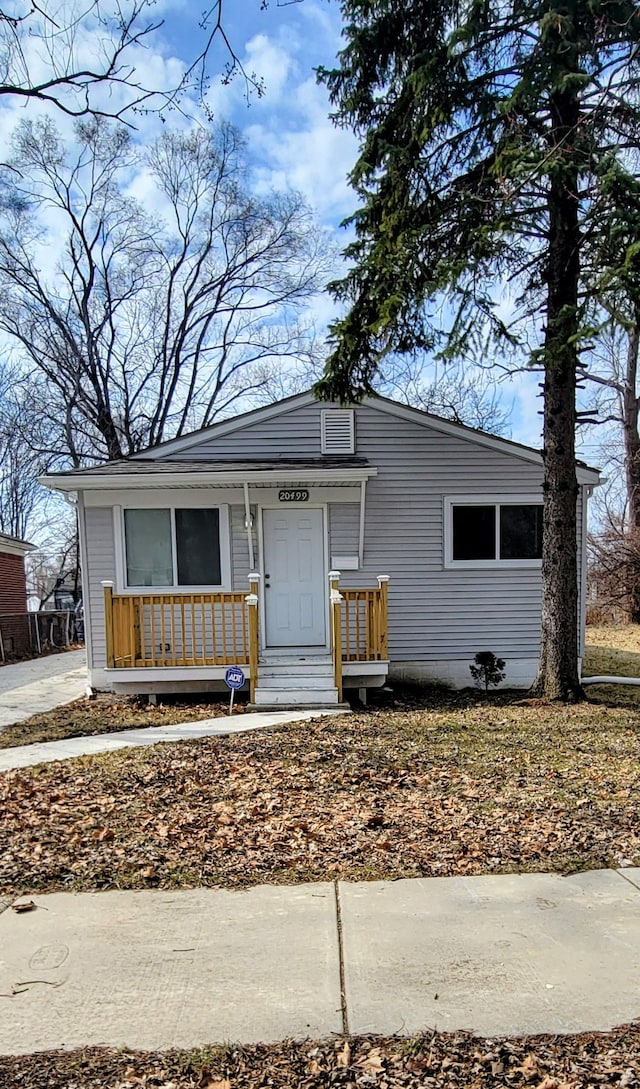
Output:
x=296 y=697
x=295 y=669
x=296 y=680
x=295 y=659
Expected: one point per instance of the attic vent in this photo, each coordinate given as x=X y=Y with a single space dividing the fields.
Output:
x=338 y=431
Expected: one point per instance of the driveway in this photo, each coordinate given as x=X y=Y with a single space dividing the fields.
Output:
x=28 y=688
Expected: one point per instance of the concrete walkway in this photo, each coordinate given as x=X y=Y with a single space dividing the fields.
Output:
x=44 y=752
x=153 y=969
x=28 y=688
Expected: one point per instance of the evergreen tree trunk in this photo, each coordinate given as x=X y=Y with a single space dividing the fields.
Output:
x=632 y=460
x=558 y=668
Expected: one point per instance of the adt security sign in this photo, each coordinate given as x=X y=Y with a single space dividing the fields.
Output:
x=233 y=678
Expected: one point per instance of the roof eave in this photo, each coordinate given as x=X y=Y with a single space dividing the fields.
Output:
x=105 y=482
x=13 y=546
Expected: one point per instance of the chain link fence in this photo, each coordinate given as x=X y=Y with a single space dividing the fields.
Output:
x=26 y=634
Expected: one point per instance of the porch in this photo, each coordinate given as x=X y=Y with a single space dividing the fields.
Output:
x=186 y=638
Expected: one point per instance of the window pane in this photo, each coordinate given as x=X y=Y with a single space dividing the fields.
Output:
x=198 y=547
x=521 y=532
x=474 y=533
x=148 y=545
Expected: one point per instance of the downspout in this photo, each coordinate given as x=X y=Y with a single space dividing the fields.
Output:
x=84 y=571
x=363 y=493
x=249 y=527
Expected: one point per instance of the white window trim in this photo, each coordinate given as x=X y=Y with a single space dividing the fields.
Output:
x=451 y=501
x=176 y=588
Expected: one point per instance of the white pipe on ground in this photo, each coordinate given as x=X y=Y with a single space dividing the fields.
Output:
x=610 y=680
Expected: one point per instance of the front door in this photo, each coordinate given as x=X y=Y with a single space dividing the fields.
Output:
x=294 y=577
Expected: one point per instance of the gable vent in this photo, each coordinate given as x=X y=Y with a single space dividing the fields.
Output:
x=338 y=431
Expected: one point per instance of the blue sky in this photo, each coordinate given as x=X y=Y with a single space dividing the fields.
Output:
x=290 y=139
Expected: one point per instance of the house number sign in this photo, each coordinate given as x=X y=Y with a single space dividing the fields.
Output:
x=293 y=495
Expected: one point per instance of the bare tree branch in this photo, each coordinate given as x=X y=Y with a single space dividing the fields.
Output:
x=149 y=323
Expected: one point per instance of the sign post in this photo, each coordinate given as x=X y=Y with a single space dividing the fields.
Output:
x=233 y=678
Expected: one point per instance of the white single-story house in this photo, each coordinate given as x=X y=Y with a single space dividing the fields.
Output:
x=318 y=548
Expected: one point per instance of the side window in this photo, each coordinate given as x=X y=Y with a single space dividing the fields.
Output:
x=490 y=532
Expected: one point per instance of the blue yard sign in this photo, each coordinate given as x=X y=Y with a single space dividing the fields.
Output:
x=233 y=678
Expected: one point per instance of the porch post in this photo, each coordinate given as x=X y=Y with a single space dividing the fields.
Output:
x=336 y=630
x=252 y=602
x=107 y=586
x=383 y=584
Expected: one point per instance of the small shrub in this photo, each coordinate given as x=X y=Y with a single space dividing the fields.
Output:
x=487 y=670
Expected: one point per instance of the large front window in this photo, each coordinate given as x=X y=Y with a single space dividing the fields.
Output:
x=487 y=532
x=172 y=546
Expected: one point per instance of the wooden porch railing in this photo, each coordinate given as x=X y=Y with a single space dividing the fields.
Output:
x=205 y=629
x=359 y=625
x=364 y=624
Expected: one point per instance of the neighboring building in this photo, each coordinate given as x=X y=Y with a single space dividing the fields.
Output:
x=14 y=621
x=452 y=517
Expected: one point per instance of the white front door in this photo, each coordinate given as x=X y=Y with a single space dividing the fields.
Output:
x=294 y=577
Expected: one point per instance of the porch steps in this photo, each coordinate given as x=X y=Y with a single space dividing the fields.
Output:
x=296 y=682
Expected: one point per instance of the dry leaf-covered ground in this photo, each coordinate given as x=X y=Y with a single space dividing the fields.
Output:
x=433 y=1061
x=624 y=638
x=472 y=788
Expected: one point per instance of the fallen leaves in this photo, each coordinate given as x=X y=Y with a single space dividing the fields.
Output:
x=368 y=796
x=432 y=1061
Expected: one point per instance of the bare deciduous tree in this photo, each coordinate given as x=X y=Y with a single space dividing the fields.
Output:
x=19 y=464
x=84 y=57
x=156 y=318
x=466 y=397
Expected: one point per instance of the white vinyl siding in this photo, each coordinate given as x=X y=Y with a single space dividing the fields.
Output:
x=101 y=566
x=344 y=529
x=240 y=566
x=293 y=434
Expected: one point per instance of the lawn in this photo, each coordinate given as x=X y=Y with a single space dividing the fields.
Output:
x=458 y=787
x=436 y=1060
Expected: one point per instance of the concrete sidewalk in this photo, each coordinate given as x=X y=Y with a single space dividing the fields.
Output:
x=516 y=954
x=40 y=684
x=44 y=752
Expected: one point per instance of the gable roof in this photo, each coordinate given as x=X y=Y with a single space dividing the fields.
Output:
x=586 y=474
